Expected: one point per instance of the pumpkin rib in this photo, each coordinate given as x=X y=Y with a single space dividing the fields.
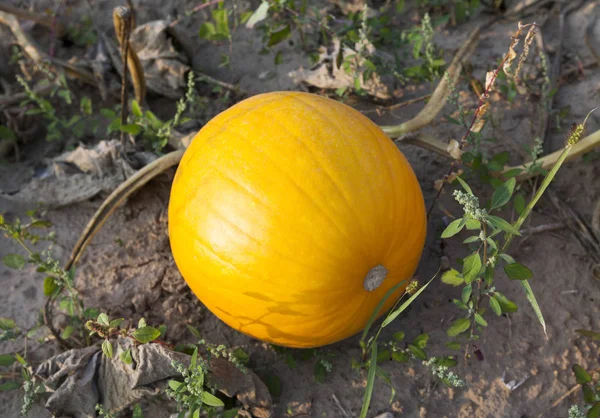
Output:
x=393 y=184
x=323 y=166
x=351 y=147
x=260 y=244
x=305 y=194
x=284 y=257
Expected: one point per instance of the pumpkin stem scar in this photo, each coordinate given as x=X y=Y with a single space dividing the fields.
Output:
x=375 y=277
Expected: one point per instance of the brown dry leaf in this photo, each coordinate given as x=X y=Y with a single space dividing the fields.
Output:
x=328 y=73
x=510 y=56
x=480 y=122
x=76 y=176
x=246 y=387
x=454 y=150
x=489 y=81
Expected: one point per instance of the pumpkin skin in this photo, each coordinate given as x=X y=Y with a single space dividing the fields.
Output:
x=281 y=207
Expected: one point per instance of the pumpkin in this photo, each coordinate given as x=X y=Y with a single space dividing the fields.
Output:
x=290 y=217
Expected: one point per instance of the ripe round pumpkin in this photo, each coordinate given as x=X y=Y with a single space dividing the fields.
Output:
x=290 y=217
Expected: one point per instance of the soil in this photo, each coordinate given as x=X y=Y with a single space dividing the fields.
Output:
x=129 y=272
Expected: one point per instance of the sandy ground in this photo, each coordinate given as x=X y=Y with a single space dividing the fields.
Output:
x=138 y=277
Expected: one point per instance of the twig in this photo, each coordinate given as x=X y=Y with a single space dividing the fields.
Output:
x=209 y=79
x=50 y=23
x=194 y=10
x=122 y=23
x=339 y=405
x=395 y=106
x=440 y=94
x=568 y=393
x=19 y=97
x=31 y=49
x=584 y=146
x=542 y=228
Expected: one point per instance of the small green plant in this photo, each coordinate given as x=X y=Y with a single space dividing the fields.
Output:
x=590 y=385
x=57 y=127
x=193 y=394
x=322 y=360
x=154 y=132
x=423 y=49
x=218 y=29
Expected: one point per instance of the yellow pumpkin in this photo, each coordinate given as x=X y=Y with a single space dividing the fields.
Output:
x=290 y=217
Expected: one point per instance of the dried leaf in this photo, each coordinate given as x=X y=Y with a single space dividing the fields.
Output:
x=454 y=150
x=510 y=56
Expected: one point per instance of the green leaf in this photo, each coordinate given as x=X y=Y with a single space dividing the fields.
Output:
x=136 y=109
x=7 y=360
x=319 y=372
x=259 y=14
x=7 y=324
x=390 y=318
x=594 y=411
x=279 y=36
x=400 y=356
x=370 y=382
x=241 y=355
x=534 y=304
x=421 y=340
x=67 y=332
x=146 y=334
x=85 y=105
x=500 y=223
x=465 y=186
x=453 y=228
x=194 y=331
x=116 y=322
x=452 y=277
x=126 y=356
x=516 y=271
x=588 y=393
x=417 y=352
x=479 y=319
x=590 y=334
x=507 y=258
x=471 y=267
x=473 y=224
x=471 y=239
x=581 y=374
x=519 y=203
x=107 y=348
x=40 y=224
x=103 y=319
x=495 y=306
x=50 y=286
x=459 y=326
x=6 y=133
x=14 y=261
x=378 y=308
x=194 y=358
x=503 y=193
x=506 y=305
x=273 y=383
x=8 y=386
x=131 y=128
x=137 y=411
x=398 y=336
x=460 y=304
x=207 y=31
x=453 y=345
x=20 y=359
x=174 y=385
x=211 y=400
x=466 y=293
